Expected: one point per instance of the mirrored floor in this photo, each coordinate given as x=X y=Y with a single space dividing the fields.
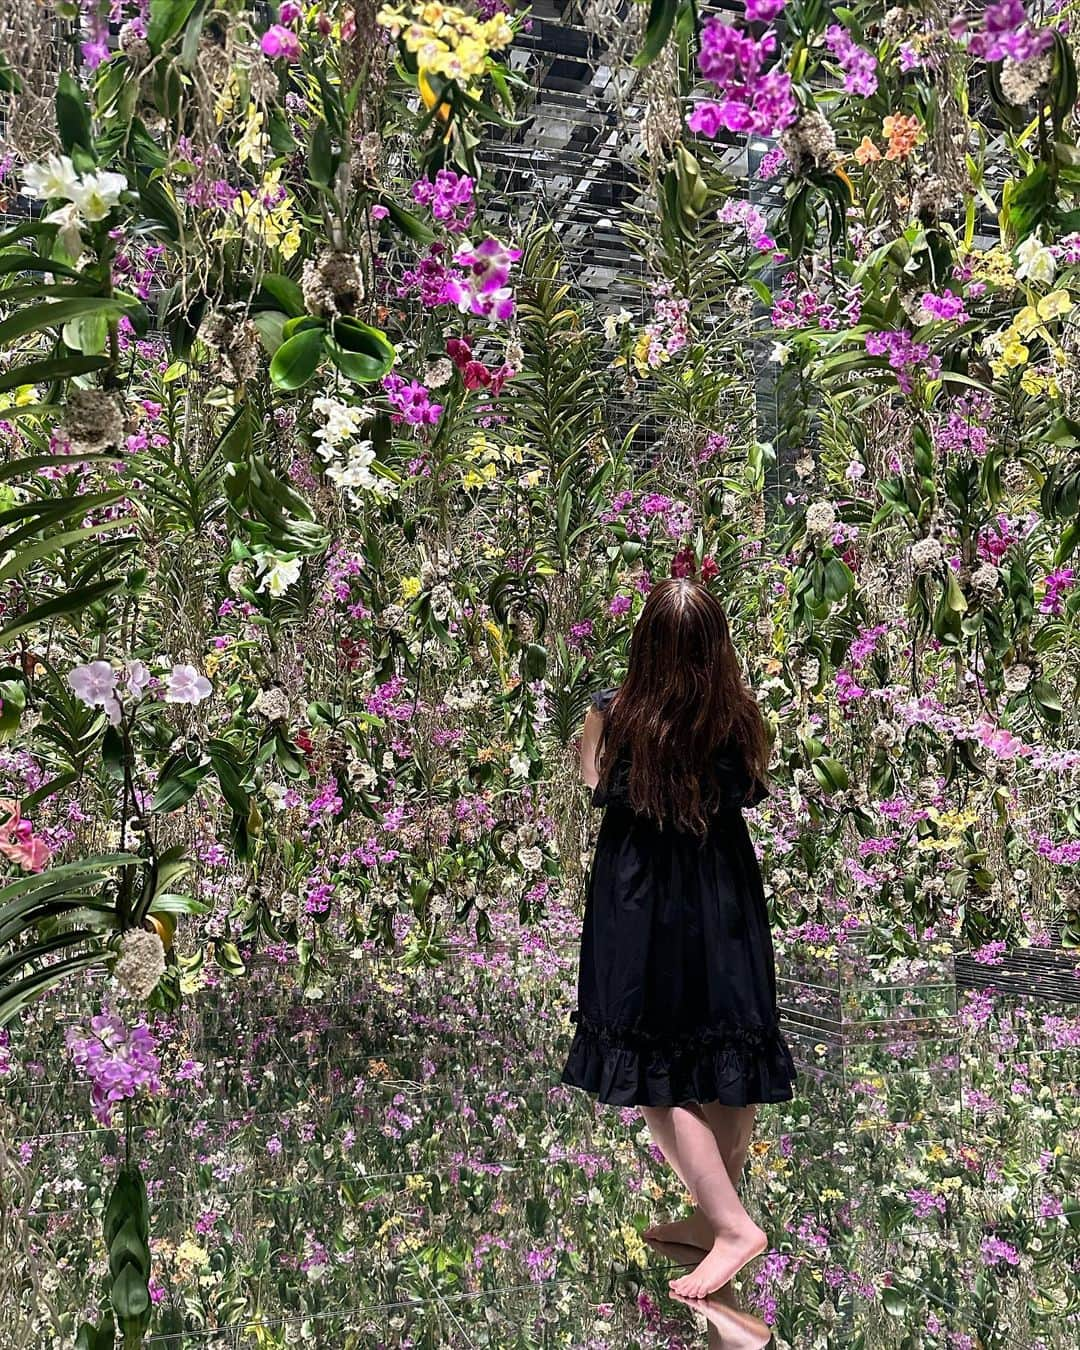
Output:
x=394 y=1163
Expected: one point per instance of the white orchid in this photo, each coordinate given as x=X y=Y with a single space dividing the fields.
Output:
x=278 y=573
x=54 y=177
x=1034 y=261
x=613 y=322
x=71 y=223
x=342 y=420
x=97 y=193
x=92 y=195
x=356 y=472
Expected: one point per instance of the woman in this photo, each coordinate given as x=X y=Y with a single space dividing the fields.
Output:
x=677 y=985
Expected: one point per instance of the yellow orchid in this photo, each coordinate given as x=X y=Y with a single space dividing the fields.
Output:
x=1054 y=305
x=485 y=477
x=254 y=143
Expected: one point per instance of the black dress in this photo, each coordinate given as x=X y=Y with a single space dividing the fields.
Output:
x=677 y=982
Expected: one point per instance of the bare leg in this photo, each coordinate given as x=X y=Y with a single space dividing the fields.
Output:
x=732 y=1127
x=692 y=1232
x=736 y=1238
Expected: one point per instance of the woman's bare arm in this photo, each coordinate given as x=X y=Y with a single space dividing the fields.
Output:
x=587 y=747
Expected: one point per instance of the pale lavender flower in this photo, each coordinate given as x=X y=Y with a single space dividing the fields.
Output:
x=185 y=685
x=95 y=685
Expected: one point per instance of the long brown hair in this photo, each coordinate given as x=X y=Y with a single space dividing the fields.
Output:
x=683 y=698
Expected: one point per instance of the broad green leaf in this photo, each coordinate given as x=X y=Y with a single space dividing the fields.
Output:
x=55 y=543
x=67 y=604
x=167 y=17
x=15 y=997
x=830 y=773
x=285 y=293
x=409 y=225
x=72 y=116
x=297 y=359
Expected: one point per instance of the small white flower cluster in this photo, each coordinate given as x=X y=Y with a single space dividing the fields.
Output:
x=93 y=420
x=1022 y=80
x=140 y=965
x=985 y=581
x=1017 y=677
x=89 y=197
x=332 y=284
x=341 y=422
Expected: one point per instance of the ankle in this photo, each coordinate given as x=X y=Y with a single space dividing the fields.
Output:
x=738 y=1233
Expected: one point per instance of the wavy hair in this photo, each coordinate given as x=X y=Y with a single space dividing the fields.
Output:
x=683 y=699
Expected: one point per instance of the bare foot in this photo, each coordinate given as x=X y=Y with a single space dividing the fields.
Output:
x=692 y=1232
x=725 y=1259
x=739 y=1330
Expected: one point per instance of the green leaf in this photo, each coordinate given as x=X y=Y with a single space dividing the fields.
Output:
x=839 y=580
x=15 y=997
x=102 y=1337
x=54 y=543
x=35 y=317
x=1048 y=699
x=297 y=359
x=72 y=116
x=12 y=704
x=129 y=1249
x=88 y=335
x=69 y=603
x=167 y=17
x=830 y=774
x=229 y=776
x=409 y=225
x=130 y=1296
x=657 y=31
x=284 y=292
x=271 y=324
x=954 y=596
x=159 y=205
x=46 y=372
x=9 y=81
x=896 y=1304
x=180 y=781
x=20 y=260
x=359 y=351
x=321 y=157
x=227 y=956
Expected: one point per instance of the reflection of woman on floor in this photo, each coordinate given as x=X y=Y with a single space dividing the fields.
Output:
x=676 y=986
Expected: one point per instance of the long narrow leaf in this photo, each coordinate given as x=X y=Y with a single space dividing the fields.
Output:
x=71 y=602
x=15 y=998
x=55 y=543
x=36 y=317
x=25 y=955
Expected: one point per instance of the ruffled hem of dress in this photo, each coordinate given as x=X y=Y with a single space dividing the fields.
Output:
x=736 y=1065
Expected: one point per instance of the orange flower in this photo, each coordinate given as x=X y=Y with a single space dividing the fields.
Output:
x=902 y=132
x=866 y=152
